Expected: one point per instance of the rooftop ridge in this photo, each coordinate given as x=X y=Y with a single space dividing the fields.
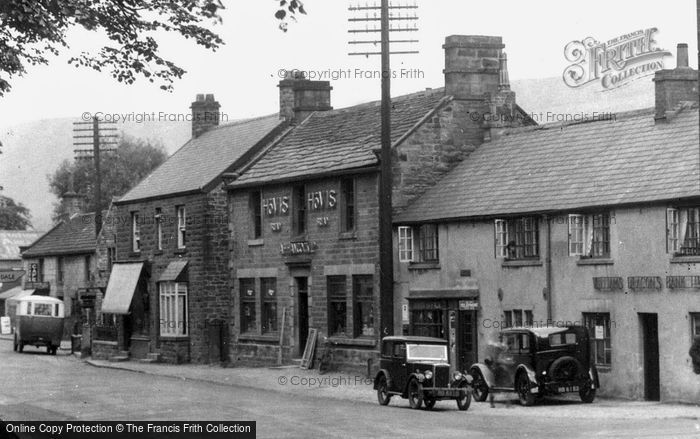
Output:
x=377 y=103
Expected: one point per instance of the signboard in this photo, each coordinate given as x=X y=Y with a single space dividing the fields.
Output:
x=468 y=305
x=599 y=333
x=608 y=283
x=5 y=325
x=645 y=283
x=682 y=282
x=33 y=272
x=307 y=358
x=11 y=276
x=404 y=314
x=298 y=248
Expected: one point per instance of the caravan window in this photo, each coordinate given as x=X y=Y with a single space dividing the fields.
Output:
x=42 y=309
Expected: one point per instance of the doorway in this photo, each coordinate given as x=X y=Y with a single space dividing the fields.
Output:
x=467 y=340
x=650 y=345
x=302 y=287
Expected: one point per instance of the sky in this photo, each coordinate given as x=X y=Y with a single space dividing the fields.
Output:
x=244 y=73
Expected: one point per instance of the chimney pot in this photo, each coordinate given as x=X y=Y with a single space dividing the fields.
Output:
x=205 y=114
x=299 y=97
x=682 y=55
x=472 y=65
x=200 y=98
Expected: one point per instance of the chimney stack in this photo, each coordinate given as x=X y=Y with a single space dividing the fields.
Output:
x=676 y=86
x=472 y=65
x=300 y=97
x=74 y=203
x=205 y=114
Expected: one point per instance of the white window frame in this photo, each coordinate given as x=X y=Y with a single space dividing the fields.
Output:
x=694 y=318
x=405 y=244
x=500 y=228
x=577 y=235
x=171 y=324
x=159 y=228
x=673 y=230
x=181 y=227
x=135 y=233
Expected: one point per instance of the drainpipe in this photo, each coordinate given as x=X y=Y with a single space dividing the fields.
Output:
x=548 y=267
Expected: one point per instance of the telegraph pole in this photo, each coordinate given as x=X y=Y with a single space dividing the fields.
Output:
x=386 y=249
x=98 y=140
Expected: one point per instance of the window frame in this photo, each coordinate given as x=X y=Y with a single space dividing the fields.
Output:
x=500 y=228
x=256 y=216
x=600 y=244
x=577 y=226
x=246 y=298
x=694 y=325
x=360 y=299
x=406 y=251
x=265 y=300
x=300 y=211
x=159 y=228
x=348 y=214
x=172 y=292
x=435 y=328
x=135 y=232
x=339 y=296
x=428 y=254
x=60 y=265
x=590 y=321
x=181 y=213
x=517 y=238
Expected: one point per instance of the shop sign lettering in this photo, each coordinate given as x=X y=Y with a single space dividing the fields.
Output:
x=608 y=283
x=682 y=282
x=644 y=283
x=298 y=248
x=276 y=206
x=321 y=200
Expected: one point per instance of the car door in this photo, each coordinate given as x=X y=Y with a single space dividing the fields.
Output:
x=507 y=361
x=401 y=371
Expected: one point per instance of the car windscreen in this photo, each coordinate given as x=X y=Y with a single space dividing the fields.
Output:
x=430 y=352
x=562 y=338
x=43 y=309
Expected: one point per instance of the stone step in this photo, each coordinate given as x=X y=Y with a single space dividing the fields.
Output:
x=118 y=358
x=151 y=358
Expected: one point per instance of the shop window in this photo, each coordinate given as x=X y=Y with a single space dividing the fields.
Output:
x=517 y=238
x=348 y=211
x=529 y=320
x=135 y=232
x=255 y=206
x=248 y=297
x=363 y=298
x=598 y=325
x=299 y=209
x=181 y=227
x=173 y=308
x=337 y=306
x=268 y=289
x=159 y=228
x=428 y=323
x=405 y=244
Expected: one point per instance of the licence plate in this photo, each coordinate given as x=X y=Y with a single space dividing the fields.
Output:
x=568 y=389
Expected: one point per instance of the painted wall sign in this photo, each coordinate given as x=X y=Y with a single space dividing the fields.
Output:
x=11 y=276
x=33 y=272
x=275 y=206
x=276 y=227
x=467 y=305
x=321 y=200
x=608 y=283
x=322 y=221
x=298 y=248
x=645 y=283
x=682 y=282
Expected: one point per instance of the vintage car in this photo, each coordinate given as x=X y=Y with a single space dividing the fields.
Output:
x=39 y=323
x=536 y=362
x=417 y=368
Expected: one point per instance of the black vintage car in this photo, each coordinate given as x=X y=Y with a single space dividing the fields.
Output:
x=536 y=362
x=417 y=368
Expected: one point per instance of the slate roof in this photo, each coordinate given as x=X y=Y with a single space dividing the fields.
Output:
x=630 y=159
x=335 y=140
x=12 y=240
x=71 y=237
x=202 y=160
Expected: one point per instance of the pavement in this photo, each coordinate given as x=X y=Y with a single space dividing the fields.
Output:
x=358 y=388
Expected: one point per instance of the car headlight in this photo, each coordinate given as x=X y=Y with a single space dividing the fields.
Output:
x=457 y=376
x=428 y=374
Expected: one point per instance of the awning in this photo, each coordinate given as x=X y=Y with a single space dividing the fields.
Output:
x=16 y=293
x=447 y=293
x=121 y=287
x=174 y=271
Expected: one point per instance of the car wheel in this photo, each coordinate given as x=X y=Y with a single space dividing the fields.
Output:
x=480 y=389
x=48 y=349
x=565 y=369
x=54 y=349
x=383 y=391
x=464 y=402
x=429 y=403
x=522 y=387
x=415 y=394
x=587 y=394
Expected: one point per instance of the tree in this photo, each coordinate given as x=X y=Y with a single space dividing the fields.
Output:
x=31 y=30
x=13 y=215
x=121 y=170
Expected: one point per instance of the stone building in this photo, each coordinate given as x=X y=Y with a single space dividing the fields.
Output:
x=304 y=214
x=169 y=288
x=593 y=222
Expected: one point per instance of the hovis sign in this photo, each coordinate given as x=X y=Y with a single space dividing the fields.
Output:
x=11 y=276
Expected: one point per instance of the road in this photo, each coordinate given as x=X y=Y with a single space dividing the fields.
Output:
x=37 y=386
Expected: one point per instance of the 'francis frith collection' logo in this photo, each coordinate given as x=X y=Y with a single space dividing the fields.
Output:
x=615 y=62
